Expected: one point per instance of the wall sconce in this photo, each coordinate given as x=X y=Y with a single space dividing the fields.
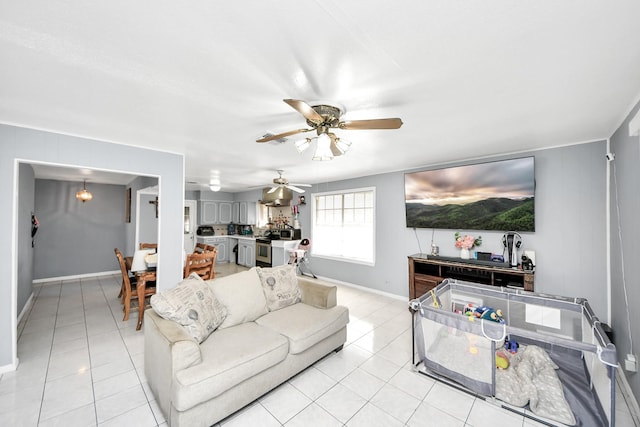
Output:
x=83 y=195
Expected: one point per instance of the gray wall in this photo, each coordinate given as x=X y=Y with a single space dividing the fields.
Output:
x=148 y=223
x=626 y=198
x=26 y=206
x=569 y=241
x=138 y=183
x=32 y=146
x=77 y=238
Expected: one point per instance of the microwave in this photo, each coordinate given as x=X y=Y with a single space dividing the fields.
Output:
x=291 y=234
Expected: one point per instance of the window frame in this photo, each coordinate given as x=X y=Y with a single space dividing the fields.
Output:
x=343 y=192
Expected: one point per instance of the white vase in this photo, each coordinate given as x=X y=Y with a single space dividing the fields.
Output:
x=464 y=253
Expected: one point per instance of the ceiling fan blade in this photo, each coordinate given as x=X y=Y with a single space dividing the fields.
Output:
x=294 y=188
x=394 y=123
x=273 y=189
x=300 y=185
x=306 y=110
x=333 y=147
x=336 y=152
x=282 y=135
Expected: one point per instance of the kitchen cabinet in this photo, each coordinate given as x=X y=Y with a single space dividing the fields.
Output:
x=213 y=212
x=208 y=212
x=224 y=212
x=247 y=253
x=245 y=213
x=235 y=213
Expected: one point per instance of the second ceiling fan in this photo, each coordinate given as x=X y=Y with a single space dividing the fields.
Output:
x=322 y=118
x=281 y=182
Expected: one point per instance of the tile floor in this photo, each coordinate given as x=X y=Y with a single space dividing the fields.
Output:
x=81 y=365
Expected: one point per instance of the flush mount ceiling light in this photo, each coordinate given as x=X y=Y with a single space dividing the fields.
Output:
x=214 y=185
x=322 y=118
x=83 y=195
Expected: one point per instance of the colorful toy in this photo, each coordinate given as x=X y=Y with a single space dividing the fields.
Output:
x=511 y=346
x=489 y=313
x=502 y=360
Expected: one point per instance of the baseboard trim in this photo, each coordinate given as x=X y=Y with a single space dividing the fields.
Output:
x=364 y=288
x=26 y=308
x=76 y=276
x=629 y=398
x=9 y=368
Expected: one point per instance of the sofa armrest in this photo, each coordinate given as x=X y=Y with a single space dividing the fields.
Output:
x=317 y=294
x=167 y=349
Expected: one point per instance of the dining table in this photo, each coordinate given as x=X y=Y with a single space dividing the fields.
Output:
x=143 y=265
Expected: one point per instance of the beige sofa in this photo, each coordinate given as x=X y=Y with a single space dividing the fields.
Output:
x=253 y=350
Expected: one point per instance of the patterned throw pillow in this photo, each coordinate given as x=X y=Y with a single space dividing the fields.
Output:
x=193 y=305
x=280 y=286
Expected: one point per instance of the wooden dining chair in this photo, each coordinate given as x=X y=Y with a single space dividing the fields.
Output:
x=129 y=289
x=201 y=247
x=148 y=246
x=202 y=264
x=127 y=263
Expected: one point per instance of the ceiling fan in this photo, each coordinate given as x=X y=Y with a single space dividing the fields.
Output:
x=281 y=182
x=322 y=118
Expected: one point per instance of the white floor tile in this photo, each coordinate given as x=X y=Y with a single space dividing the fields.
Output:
x=313 y=415
x=454 y=402
x=427 y=414
x=371 y=416
x=81 y=417
x=112 y=406
x=335 y=367
x=285 y=402
x=341 y=402
x=362 y=383
x=312 y=382
x=65 y=394
x=254 y=415
x=484 y=414
x=380 y=367
x=396 y=403
x=116 y=384
x=412 y=383
x=142 y=416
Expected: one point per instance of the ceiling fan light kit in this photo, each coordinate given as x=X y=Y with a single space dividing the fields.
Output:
x=323 y=148
x=321 y=118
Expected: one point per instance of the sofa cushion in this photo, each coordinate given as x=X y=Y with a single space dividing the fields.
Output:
x=304 y=325
x=242 y=295
x=193 y=305
x=229 y=357
x=280 y=286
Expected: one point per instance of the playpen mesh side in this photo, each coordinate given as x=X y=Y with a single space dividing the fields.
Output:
x=462 y=356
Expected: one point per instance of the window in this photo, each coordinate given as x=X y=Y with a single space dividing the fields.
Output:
x=344 y=225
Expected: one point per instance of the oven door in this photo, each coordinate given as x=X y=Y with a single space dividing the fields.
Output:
x=263 y=254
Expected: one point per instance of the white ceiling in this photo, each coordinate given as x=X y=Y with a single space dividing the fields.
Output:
x=468 y=78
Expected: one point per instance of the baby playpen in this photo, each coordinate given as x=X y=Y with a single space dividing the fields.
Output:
x=562 y=369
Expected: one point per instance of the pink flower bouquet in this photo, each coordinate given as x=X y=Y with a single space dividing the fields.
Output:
x=466 y=241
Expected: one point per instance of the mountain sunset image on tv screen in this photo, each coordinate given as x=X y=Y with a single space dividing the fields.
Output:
x=485 y=196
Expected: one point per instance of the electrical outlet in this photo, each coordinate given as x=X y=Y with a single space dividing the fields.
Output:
x=631 y=363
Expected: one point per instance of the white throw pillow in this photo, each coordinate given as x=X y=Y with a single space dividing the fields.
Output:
x=280 y=286
x=242 y=295
x=193 y=305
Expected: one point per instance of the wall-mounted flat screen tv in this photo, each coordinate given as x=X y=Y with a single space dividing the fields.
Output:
x=485 y=196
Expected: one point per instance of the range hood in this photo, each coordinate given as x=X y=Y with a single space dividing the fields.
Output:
x=281 y=197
